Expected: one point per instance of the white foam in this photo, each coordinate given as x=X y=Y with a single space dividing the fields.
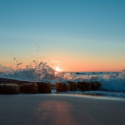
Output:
x=42 y=72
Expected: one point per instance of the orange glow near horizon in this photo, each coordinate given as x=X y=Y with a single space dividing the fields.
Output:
x=73 y=65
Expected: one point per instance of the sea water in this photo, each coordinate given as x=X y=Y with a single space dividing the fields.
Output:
x=112 y=83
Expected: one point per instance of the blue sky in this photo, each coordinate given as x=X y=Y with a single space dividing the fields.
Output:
x=76 y=30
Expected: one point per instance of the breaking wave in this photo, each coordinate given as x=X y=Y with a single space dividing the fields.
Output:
x=42 y=72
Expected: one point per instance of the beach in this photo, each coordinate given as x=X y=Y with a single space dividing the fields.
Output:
x=62 y=62
x=61 y=109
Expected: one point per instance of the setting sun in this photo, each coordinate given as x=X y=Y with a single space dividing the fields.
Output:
x=58 y=69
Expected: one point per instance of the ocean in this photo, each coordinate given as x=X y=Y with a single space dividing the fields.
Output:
x=112 y=83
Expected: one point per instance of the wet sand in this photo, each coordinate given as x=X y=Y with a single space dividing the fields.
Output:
x=61 y=109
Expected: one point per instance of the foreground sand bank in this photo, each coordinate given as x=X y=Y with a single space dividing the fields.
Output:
x=60 y=109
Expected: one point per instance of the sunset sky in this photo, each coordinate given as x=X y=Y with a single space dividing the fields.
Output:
x=74 y=35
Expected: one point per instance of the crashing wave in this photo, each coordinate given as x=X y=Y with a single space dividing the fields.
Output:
x=42 y=72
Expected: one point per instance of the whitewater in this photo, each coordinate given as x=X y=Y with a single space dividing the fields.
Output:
x=112 y=83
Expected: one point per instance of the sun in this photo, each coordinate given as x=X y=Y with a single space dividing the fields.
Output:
x=57 y=69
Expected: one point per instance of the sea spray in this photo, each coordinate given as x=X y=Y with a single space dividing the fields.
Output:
x=42 y=72
x=113 y=82
x=38 y=73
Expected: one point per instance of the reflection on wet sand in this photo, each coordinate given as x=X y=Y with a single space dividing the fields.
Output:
x=61 y=113
x=56 y=113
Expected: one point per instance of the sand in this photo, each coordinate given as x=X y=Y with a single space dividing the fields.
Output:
x=60 y=109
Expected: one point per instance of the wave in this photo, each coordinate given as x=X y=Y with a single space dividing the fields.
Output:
x=42 y=72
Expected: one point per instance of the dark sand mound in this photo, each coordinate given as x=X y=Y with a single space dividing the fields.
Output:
x=73 y=86
x=95 y=85
x=84 y=86
x=44 y=87
x=28 y=88
x=62 y=87
x=9 y=89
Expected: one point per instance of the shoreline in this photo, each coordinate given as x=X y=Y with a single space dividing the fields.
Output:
x=76 y=95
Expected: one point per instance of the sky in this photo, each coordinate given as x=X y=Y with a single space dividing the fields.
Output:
x=73 y=35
